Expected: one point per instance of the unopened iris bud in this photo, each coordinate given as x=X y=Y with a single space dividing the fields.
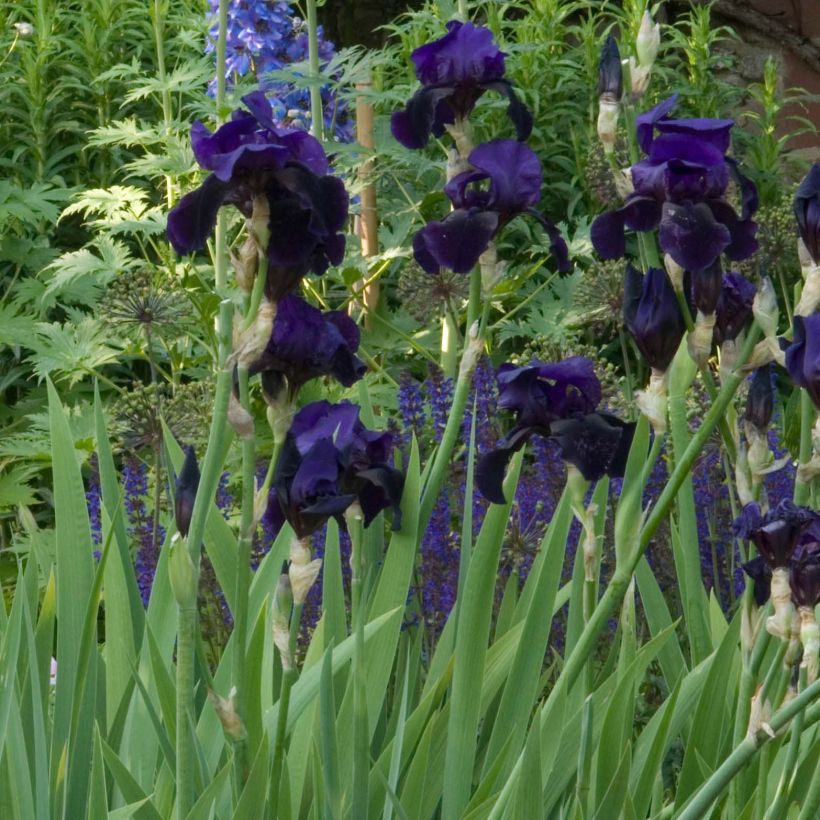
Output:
x=648 y=41
x=610 y=90
x=760 y=401
x=610 y=79
x=185 y=495
x=765 y=308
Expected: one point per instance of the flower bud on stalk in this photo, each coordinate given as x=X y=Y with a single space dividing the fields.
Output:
x=699 y=340
x=228 y=716
x=282 y=605
x=250 y=344
x=586 y=517
x=182 y=573
x=492 y=269
x=779 y=624
x=810 y=638
x=302 y=571
x=246 y=262
x=766 y=314
x=647 y=45
x=610 y=90
x=239 y=418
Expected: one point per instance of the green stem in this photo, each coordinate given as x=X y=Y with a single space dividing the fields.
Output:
x=288 y=679
x=456 y=415
x=316 y=117
x=167 y=113
x=186 y=643
x=361 y=732
x=701 y=803
x=784 y=787
x=802 y=489
x=243 y=574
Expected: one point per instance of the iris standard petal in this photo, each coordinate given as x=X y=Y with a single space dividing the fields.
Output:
x=645 y=123
x=597 y=444
x=691 y=235
x=455 y=242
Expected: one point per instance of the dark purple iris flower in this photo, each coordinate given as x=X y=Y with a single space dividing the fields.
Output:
x=250 y=157
x=734 y=307
x=329 y=460
x=804 y=575
x=776 y=533
x=653 y=316
x=306 y=343
x=807 y=211
x=596 y=444
x=707 y=285
x=185 y=493
x=680 y=188
x=803 y=355
x=557 y=400
x=760 y=574
x=513 y=176
x=455 y=71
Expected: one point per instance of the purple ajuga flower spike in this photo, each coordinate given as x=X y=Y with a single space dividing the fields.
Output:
x=807 y=211
x=680 y=187
x=185 y=495
x=249 y=157
x=540 y=395
x=306 y=343
x=776 y=533
x=803 y=355
x=597 y=444
x=513 y=176
x=734 y=307
x=455 y=71
x=653 y=316
x=329 y=460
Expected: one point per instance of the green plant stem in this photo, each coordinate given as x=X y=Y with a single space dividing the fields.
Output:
x=700 y=804
x=361 y=732
x=784 y=787
x=186 y=643
x=811 y=805
x=211 y=469
x=220 y=245
x=456 y=415
x=167 y=112
x=802 y=489
x=316 y=117
x=288 y=679
x=243 y=575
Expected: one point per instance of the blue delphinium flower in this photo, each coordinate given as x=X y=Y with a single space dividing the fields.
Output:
x=265 y=36
x=455 y=71
x=680 y=187
x=512 y=174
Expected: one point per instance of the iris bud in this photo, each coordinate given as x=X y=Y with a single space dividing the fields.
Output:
x=182 y=574
x=760 y=401
x=610 y=89
x=186 y=487
x=649 y=41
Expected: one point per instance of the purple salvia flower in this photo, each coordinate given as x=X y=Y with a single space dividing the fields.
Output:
x=93 y=501
x=440 y=398
x=411 y=408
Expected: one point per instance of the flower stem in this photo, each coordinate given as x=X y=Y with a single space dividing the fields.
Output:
x=157 y=19
x=704 y=798
x=361 y=732
x=803 y=488
x=316 y=117
x=289 y=676
x=186 y=642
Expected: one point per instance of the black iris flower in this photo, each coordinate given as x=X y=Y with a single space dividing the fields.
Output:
x=329 y=460
x=249 y=157
x=454 y=72
x=557 y=400
x=775 y=534
x=653 y=316
x=306 y=343
x=803 y=355
x=680 y=187
x=807 y=212
x=734 y=307
x=503 y=182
